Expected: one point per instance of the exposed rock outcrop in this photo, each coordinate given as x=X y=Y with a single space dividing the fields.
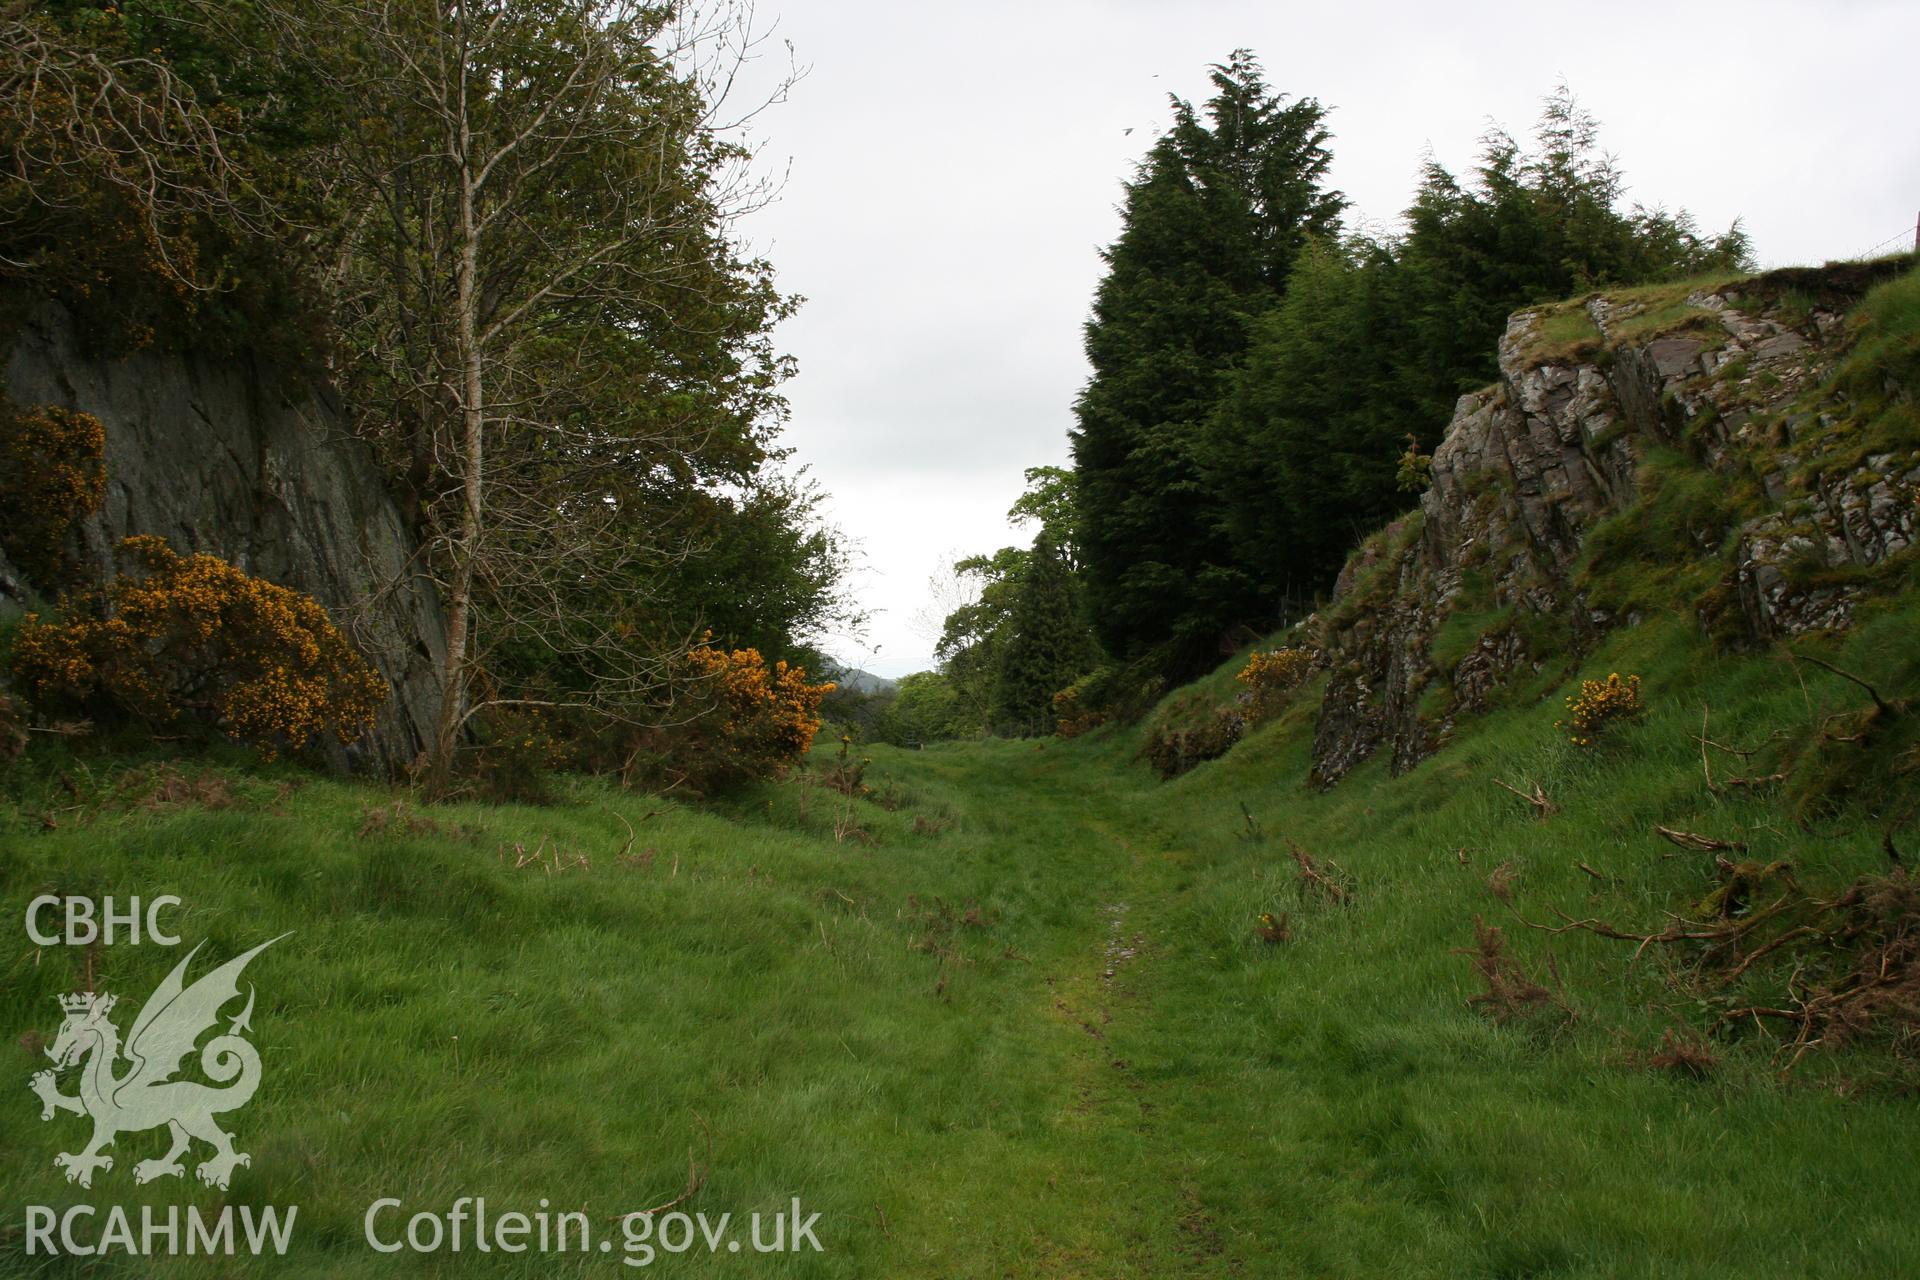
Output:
x=1728 y=380
x=233 y=459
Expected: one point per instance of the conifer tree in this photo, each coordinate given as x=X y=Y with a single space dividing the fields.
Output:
x=1304 y=445
x=1212 y=224
x=1375 y=341
x=1046 y=647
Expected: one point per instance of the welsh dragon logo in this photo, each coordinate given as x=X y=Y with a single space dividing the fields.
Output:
x=145 y=1095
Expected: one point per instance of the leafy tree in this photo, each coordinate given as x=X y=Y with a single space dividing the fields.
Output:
x=765 y=572
x=1212 y=223
x=973 y=635
x=507 y=225
x=927 y=707
x=1048 y=502
x=155 y=190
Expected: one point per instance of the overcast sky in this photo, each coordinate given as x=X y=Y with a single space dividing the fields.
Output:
x=955 y=169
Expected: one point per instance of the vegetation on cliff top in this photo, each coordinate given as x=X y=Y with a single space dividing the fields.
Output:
x=1257 y=372
x=549 y=332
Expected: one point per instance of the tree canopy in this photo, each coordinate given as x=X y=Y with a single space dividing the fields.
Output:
x=1212 y=223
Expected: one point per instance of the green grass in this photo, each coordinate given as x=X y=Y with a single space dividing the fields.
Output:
x=1566 y=331
x=1562 y=335
x=1105 y=1074
x=1666 y=549
x=1441 y=1146
x=1659 y=318
x=1646 y=312
x=1669 y=292
x=1884 y=355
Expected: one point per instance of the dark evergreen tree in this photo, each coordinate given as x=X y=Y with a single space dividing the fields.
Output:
x=1046 y=647
x=1212 y=224
x=1304 y=445
x=1531 y=228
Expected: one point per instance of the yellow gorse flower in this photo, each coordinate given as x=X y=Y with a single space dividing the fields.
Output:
x=1599 y=704
x=53 y=461
x=1269 y=676
x=767 y=715
x=193 y=636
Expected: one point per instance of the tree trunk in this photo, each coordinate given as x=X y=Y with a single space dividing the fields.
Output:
x=465 y=549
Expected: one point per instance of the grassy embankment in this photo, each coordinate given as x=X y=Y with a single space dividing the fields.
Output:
x=1008 y=1016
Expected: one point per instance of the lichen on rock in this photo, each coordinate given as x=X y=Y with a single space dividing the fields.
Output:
x=1733 y=381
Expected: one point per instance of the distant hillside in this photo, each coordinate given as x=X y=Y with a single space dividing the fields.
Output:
x=854 y=680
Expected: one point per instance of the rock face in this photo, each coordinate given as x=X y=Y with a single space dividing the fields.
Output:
x=228 y=458
x=1729 y=380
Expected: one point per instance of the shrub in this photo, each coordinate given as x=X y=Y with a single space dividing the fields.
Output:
x=54 y=463
x=1415 y=472
x=1599 y=705
x=738 y=719
x=1175 y=747
x=1119 y=694
x=1072 y=717
x=515 y=755
x=1269 y=677
x=193 y=638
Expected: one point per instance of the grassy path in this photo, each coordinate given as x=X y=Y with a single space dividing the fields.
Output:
x=1115 y=1166
x=1004 y=1018
x=924 y=1029
x=1100 y=1190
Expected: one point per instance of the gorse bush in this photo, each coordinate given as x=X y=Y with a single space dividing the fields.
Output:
x=1205 y=721
x=767 y=711
x=1071 y=716
x=54 y=463
x=738 y=719
x=1599 y=705
x=1270 y=676
x=192 y=638
x=1174 y=748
